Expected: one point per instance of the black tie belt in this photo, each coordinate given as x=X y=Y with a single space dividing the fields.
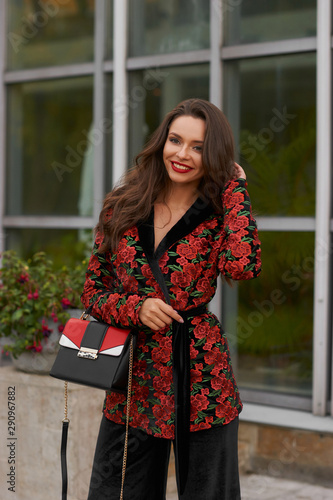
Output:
x=181 y=377
x=182 y=389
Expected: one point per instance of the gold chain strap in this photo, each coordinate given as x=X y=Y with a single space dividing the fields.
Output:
x=66 y=419
x=128 y=403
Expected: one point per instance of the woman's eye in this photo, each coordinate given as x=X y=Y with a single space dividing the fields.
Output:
x=174 y=140
x=198 y=148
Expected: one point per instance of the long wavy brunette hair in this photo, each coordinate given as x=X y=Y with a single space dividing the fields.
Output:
x=131 y=201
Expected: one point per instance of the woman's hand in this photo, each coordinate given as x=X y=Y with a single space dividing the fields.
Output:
x=156 y=314
x=239 y=172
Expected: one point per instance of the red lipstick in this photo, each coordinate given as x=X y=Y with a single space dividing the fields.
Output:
x=180 y=167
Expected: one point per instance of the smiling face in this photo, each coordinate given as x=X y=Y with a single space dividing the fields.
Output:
x=182 y=153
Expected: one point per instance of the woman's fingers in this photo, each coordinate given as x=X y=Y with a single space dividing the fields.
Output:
x=239 y=172
x=156 y=314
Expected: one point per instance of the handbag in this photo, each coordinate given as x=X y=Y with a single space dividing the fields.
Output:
x=98 y=355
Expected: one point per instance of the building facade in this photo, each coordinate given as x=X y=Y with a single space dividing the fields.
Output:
x=84 y=83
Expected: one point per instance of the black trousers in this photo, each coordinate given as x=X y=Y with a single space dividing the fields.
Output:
x=213 y=468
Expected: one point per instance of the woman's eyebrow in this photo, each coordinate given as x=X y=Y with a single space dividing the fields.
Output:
x=180 y=137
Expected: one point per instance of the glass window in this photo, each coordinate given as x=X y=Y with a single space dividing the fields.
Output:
x=270 y=102
x=47 y=33
x=274 y=320
x=159 y=27
x=108 y=128
x=154 y=92
x=109 y=29
x=64 y=246
x=50 y=148
x=252 y=21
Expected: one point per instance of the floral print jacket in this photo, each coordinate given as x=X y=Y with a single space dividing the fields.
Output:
x=200 y=246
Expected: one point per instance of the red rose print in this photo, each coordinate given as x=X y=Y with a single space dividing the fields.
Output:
x=242 y=249
x=234 y=268
x=239 y=222
x=201 y=330
x=181 y=299
x=187 y=251
x=181 y=279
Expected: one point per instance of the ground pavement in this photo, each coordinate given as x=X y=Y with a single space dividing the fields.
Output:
x=257 y=487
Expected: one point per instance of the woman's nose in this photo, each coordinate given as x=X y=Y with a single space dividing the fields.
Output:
x=183 y=152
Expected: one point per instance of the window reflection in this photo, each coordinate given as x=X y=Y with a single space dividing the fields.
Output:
x=44 y=33
x=154 y=92
x=159 y=27
x=50 y=148
x=63 y=246
x=270 y=103
x=274 y=320
x=253 y=21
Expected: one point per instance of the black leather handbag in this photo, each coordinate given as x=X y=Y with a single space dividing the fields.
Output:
x=98 y=355
x=95 y=354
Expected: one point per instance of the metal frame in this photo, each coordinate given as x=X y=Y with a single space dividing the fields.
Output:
x=215 y=96
x=99 y=106
x=175 y=59
x=322 y=303
x=49 y=73
x=280 y=47
x=120 y=92
x=44 y=222
x=3 y=129
x=286 y=223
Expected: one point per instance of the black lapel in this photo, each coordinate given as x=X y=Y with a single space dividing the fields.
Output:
x=195 y=215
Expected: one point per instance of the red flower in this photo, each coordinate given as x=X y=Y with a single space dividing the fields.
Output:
x=199 y=402
x=202 y=330
x=181 y=298
x=218 y=382
x=35 y=347
x=213 y=357
x=196 y=375
x=94 y=266
x=203 y=425
x=241 y=250
x=181 y=279
x=140 y=367
x=66 y=303
x=168 y=431
x=141 y=420
x=239 y=222
x=162 y=412
x=182 y=261
x=235 y=268
x=114 y=398
x=187 y=251
x=23 y=278
x=127 y=254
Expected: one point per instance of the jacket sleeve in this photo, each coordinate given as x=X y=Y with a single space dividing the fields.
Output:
x=111 y=303
x=239 y=257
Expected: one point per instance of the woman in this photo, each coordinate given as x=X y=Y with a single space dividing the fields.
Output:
x=181 y=217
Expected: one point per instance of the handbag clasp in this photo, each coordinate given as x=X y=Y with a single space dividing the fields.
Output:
x=87 y=353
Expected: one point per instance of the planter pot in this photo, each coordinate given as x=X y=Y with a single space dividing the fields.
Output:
x=34 y=362
x=41 y=362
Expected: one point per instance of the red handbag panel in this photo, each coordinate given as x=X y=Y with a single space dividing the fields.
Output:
x=75 y=328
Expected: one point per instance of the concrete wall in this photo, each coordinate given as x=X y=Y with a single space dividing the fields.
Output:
x=39 y=411
x=263 y=449
x=287 y=453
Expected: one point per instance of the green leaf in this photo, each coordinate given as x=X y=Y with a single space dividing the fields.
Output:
x=17 y=315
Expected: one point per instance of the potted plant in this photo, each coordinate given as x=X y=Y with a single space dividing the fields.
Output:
x=35 y=299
